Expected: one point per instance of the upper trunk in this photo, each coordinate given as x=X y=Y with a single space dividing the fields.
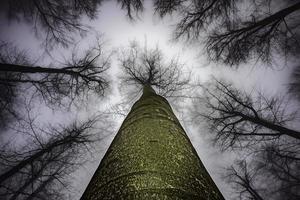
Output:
x=151 y=157
x=148 y=91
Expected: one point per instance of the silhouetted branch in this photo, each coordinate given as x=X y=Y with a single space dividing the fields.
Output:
x=199 y=14
x=272 y=174
x=164 y=7
x=282 y=163
x=131 y=6
x=57 y=19
x=257 y=37
x=240 y=120
x=79 y=77
x=242 y=178
x=9 y=91
x=147 y=67
x=43 y=165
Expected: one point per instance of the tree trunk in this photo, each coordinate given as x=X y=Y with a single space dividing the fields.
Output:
x=32 y=70
x=151 y=157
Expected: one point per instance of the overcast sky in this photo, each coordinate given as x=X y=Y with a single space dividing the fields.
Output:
x=117 y=31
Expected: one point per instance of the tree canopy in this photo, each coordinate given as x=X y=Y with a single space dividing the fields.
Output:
x=144 y=66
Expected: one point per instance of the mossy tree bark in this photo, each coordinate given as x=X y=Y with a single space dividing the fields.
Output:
x=151 y=157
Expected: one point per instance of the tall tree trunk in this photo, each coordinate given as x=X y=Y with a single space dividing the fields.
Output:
x=151 y=157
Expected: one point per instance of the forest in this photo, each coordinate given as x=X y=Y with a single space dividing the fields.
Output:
x=72 y=71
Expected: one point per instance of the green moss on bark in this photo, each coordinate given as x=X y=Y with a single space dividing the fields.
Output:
x=151 y=157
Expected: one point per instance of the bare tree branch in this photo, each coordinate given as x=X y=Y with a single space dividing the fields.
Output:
x=240 y=120
x=273 y=173
x=164 y=7
x=41 y=167
x=131 y=6
x=57 y=19
x=199 y=14
x=147 y=67
x=80 y=77
x=258 y=37
x=9 y=91
x=243 y=181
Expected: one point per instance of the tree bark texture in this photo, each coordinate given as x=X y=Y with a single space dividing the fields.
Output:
x=151 y=157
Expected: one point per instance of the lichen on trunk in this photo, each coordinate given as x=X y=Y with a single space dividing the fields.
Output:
x=151 y=157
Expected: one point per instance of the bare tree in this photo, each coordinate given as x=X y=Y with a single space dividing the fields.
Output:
x=9 y=93
x=57 y=19
x=281 y=163
x=143 y=66
x=78 y=78
x=242 y=177
x=40 y=169
x=257 y=127
x=131 y=6
x=198 y=15
x=273 y=173
x=232 y=37
x=259 y=37
x=239 y=119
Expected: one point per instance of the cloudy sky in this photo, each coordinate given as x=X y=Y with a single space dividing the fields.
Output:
x=117 y=31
